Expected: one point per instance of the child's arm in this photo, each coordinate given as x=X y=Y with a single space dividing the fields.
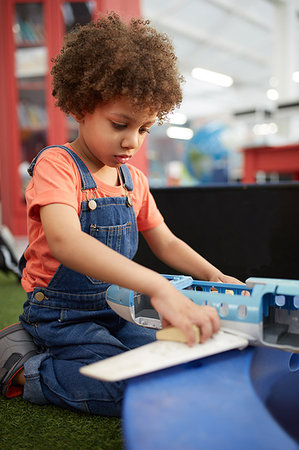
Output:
x=83 y=253
x=179 y=255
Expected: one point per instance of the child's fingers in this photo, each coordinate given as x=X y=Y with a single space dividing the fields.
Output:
x=165 y=322
x=182 y=313
x=187 y=328
x=214 y=317
x=185 y=324
x=206 y=330
x=208 y=321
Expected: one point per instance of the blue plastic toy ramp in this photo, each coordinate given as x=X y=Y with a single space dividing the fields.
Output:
x=231 y=401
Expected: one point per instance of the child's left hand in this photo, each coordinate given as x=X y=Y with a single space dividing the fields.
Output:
x=221 y=278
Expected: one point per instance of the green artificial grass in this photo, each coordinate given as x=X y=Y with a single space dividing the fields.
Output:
x=27 y=426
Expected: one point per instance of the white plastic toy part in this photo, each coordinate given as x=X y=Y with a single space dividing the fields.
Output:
x=159 y=355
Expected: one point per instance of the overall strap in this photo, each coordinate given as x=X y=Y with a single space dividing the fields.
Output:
x=86 y=177
x=126 y=177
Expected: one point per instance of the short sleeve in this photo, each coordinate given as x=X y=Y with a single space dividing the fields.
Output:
x=55 y=180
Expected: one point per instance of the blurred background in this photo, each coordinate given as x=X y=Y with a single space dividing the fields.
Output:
x=240 y=61
x=239 y=120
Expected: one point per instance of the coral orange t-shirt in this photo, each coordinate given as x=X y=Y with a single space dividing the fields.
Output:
x=56 y=179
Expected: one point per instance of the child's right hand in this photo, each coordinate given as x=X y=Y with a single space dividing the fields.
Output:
x=181 y=312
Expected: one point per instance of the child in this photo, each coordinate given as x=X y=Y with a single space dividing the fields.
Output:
x=85 y=207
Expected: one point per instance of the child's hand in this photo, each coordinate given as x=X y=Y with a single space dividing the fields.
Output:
x=181 y=312
x=221 y=278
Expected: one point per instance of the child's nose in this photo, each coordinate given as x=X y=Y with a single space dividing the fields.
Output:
x=130 y=140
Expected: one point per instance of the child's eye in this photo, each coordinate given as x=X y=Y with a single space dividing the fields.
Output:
x=144 y=130
x=118 y=126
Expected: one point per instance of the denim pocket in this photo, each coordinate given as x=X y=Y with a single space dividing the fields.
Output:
x=114 y=236
x=117 y=237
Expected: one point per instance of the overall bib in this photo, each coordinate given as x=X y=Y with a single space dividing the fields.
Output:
x=70 y=319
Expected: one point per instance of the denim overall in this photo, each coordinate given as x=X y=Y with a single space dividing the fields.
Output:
x=70 y=319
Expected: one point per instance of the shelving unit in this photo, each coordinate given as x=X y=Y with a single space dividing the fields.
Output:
x=283 y=160
x=31 y=33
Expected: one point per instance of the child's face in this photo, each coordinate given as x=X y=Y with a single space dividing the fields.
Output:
x=114 y=132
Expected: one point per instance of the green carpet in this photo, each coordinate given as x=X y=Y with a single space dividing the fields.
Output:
x=27 y=426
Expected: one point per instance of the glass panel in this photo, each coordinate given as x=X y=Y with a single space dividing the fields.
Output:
x=31 y=68
x=76 y=13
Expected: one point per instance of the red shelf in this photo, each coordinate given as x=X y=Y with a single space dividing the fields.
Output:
x=284 y=159
x=12 y=201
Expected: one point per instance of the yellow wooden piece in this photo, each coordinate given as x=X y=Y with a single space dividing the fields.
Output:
x=175 y=334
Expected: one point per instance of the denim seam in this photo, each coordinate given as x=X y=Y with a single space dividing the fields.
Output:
x=63 y=307
x=53 y=292
x=82 y=400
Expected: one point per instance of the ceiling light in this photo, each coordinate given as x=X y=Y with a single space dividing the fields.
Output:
x=262 y=129
x=295 y=76
x=212 y=77
x=272 y=94
x=179 y=133
x=178 y=118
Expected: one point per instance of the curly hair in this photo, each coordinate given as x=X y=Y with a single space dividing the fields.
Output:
x=107 y=59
